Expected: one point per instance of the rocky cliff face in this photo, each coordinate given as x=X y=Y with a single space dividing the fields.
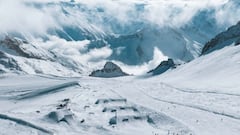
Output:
x=23 y=48
x=109 y=70
x=229 y=37
x=18 y=55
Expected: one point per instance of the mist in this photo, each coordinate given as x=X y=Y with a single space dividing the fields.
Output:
x=35 y=18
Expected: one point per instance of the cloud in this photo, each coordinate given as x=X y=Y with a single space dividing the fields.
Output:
x=103 y=16
x=96 y=55
x=75 y=53
x=158 y=57
x=17 y=17
x=106 y=15
x=158 y=12
x=229 y=14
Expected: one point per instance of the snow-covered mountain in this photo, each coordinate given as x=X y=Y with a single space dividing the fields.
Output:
x=81 y=34
x=229 y=37
x=48 y=49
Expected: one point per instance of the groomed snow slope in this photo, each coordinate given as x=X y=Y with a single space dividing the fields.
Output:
x=198 y=98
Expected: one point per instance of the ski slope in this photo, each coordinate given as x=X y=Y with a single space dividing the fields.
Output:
x=159 y=111
x=182 y=101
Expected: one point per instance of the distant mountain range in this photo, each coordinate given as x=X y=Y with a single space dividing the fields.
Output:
x=83 y=37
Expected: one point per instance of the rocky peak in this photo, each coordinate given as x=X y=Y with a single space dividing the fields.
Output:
x=109 y=70
x=111 y=66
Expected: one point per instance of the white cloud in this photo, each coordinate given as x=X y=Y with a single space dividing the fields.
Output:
x=15 y=16
x=228 y=15
x=96 y=55
x=158 y=57
x=76 y=52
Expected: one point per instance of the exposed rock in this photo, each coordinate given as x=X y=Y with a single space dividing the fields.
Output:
x=16 y=54
x=237 y=42
x=110 y=70
x=229 y=37
x=8 y=63
x=163 y=67
x=140 y=51
x=14 y=44
x=20 y=47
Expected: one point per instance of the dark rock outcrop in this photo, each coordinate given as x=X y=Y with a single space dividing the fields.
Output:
x=14 y=45
x=110 y=70
x=237 y=42
x=229 y=37
x=163 y=67
x=8 y=63
x=23 y=48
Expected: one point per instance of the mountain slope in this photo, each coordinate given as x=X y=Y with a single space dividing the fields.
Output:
x=81 y=36
x=230 y=37
x=217 y=69
x=45 y=62
x=129 y=37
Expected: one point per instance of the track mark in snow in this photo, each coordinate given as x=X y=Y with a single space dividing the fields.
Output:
x=25 y=123
x=48 y=90
x=198 y=91
x=120 y=108
x=129 y=113
x=194 y=107
x=123 y=100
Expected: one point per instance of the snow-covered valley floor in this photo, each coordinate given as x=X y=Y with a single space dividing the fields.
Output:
x=70 y=106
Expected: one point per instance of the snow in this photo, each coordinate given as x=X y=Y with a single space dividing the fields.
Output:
x=217 y=71
x=45 y=63
x=191 y=99
x=230 y=36
x=86 y=33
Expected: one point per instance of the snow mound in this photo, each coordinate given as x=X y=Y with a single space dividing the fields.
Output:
x=109 y=70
